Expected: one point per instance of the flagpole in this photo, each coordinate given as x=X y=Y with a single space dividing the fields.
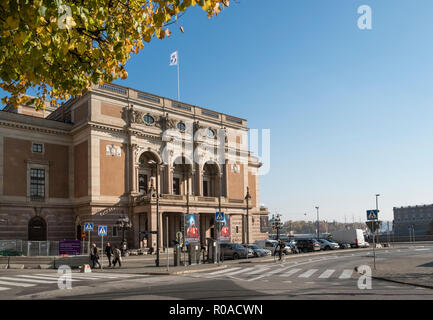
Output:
x=178 y=87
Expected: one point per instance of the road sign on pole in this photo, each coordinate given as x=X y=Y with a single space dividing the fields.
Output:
x=372 y=214
x=102 y=230
x=88 y=226
x=219 y=216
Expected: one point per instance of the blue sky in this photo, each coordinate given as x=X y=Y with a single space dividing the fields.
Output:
x=350 y=110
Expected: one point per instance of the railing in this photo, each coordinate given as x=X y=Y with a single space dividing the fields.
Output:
x=35 y=248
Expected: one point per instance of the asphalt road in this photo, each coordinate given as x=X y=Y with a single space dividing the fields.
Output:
x=331 y=276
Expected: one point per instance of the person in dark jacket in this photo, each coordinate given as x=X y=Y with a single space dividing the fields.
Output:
x=94 y=256
x=109 y=253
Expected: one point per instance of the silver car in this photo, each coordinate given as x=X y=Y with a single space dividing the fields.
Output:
x=328 y=245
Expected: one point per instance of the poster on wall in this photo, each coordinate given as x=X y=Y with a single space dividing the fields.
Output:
x=192 y=223
x=225 y=233
x=264 y=224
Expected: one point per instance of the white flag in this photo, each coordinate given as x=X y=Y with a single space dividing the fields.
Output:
x=173 y=59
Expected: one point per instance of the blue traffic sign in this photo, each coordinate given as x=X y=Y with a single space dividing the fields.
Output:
x=102 y=230
x=88 y=226
x=372 y=214
x=219 y=216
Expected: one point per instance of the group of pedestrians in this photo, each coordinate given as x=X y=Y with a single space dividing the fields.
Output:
x=109 y=252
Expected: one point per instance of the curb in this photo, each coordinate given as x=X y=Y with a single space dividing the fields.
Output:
x=402 y=282
x=185 y=271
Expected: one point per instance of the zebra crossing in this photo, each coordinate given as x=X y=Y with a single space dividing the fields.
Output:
x=281 y=273
x=32 y=280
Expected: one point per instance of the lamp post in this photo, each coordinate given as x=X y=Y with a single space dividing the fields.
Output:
x=247 y=198
x=157 y=165
x=318 y=226
x=124 y=223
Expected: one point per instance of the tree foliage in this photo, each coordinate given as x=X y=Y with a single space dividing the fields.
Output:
x=60 y=47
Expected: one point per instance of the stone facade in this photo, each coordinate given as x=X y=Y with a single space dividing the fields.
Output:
x=420 y=217
x=102 y=155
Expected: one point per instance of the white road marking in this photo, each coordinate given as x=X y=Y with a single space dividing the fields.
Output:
x=81 y=276
x=347 y=274
x=422 y=249
x=308 y=273
x=269 y=273
x=41 y=277
x=290 y=272
x=326 y=274
x=222 y=271
x=2 y=289
x=259 y=270
x=28 y=280
x=16 y=284
x=287 y=281
x=239 y=271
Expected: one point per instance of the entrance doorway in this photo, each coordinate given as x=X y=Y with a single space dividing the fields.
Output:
x=37 y=229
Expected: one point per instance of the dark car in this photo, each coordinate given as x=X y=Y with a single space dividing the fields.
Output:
x=234 y=251
x=258 y=252
x=308 y=245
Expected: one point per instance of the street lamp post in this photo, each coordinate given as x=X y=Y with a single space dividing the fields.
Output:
x=157 y=165
x=318 y=226
x=124 y=223
x=247 y=198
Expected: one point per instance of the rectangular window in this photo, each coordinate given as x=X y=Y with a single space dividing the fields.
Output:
x=142 y=183
x=37 y=184
x=205 y=189
x=37 y=147
x=176 y=186
x=115 y=232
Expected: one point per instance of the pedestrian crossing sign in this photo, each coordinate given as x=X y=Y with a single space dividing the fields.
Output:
x=102 y=230
x=219 y=217
x=372 y=214
x=88 y=226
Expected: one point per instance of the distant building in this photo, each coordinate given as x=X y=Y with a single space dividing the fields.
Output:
x=419 y=217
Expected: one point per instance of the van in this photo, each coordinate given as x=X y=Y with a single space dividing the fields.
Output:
x=354 y=237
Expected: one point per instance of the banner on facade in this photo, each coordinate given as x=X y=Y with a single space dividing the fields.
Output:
x=264 y=224
x=192 y=224
x=70 y=247
x=225 y=232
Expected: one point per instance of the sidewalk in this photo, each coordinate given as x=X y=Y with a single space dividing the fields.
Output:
x=417 y=271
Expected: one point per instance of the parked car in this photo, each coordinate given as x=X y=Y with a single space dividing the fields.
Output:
x=234 y=251
x=258 y=252
x=328 y=245
x=272 y=245
x=344 y=245
x=308 y=245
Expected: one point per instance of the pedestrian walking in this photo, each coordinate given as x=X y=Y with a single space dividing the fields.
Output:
x=94 y=256
x=109 y=252
x=117 y=257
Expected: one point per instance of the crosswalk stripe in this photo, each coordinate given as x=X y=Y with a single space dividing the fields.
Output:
x=260 y=270
x=308 y=273
x=269 y=273
x=222 y=271
x=347 y=274
x=326 y=274
x=238 y=271
x=2 y=289
x=290 y=272
x=28 y=280
x=16 y=284
x=81 y=276
x=41 y=278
